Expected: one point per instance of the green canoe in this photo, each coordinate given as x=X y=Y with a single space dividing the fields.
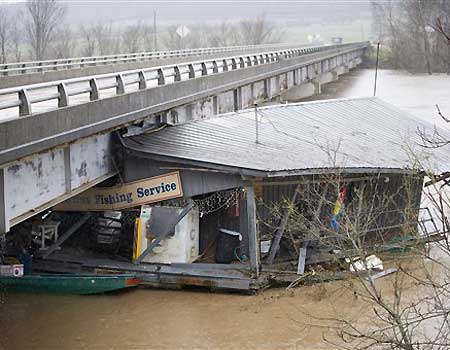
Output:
x=68 y=284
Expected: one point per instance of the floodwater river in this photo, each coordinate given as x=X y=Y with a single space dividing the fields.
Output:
x=160 y=319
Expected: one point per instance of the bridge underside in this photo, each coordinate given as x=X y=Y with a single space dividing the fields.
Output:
x=80 y=160
x=38 y=182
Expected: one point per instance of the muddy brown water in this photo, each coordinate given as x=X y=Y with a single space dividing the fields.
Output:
x=186 y=319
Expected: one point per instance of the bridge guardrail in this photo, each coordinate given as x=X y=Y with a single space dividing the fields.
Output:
x=16 y=68
x=63 y=90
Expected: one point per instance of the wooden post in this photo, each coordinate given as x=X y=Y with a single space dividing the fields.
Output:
x=253 y=240
x=276 y=240
x=302 y=260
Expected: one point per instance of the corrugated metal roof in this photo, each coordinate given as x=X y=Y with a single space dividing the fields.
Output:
x=348 y=133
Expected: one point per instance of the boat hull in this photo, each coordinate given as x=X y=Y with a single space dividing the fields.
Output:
x=68 y=284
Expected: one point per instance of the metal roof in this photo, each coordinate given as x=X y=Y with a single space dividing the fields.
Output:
x=359 y=134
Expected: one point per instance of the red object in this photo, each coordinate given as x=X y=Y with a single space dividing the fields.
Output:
x=343 y=193
x=132 y=281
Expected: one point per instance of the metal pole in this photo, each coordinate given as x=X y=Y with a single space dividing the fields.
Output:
x=256 y=123
x=376 y=71
x=155 y=40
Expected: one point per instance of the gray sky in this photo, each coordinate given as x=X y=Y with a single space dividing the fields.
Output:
x=172 y=11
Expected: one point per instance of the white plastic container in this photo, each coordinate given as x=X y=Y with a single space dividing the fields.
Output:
x=11 y=270
x=182 y=247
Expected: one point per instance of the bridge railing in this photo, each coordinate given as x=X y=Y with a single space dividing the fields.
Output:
x=17 y=68
x=67 y=92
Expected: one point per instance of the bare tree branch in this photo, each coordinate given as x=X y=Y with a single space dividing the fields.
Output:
x=41 y=25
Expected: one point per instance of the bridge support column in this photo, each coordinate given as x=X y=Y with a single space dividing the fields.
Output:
x=298 y=92
x=237 y=96
x=4 y=220
x=284 y=81
x=267 y=89
x=317 y=86
x=290 y=79
x=215 y=105
x=325 y=78
x=225 y=102
x=247 y=96
x=297 y=76
x=259 y=91
x=335 y=74
x=339 y=70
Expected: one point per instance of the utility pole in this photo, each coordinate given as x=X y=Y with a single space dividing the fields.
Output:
x=376 y=71
x=155 y=40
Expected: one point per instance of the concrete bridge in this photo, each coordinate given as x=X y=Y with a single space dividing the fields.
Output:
x=33 y=72
x=56 y=138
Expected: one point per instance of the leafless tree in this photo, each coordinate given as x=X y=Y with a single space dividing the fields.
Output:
x=347 y=219
x=148 y=37
x=43 y=19
x=410 y=309
x=378 y=20
x=246 y=32
x=5 y=29
x=258 y=31
x=224 y=34
x=88 y=42
x=106 y=38
x=441 y=25
x=407 y=35
x=64 y=45
x=132 y=37
x=16 y=40
x=419 y=14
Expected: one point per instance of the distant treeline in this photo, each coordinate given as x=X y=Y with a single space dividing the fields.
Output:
x=414 y=34
x=39 y=31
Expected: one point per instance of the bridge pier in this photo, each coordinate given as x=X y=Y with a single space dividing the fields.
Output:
x=299 y=92
x=339 y=70
x=294 y=85
x=325 y=78
x=335 y=75
x=311 y=81
x=317 y=86
x=225 y=102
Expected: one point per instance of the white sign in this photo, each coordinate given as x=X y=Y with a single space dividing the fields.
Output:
x=182 y=31
x=132 y=194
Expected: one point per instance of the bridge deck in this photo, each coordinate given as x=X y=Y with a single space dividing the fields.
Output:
x=25 y=73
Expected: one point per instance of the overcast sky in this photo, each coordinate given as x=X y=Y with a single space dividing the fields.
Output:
x=173 y=11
